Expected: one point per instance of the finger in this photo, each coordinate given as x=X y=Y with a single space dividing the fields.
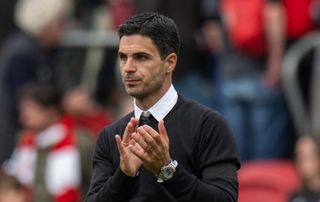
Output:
x=135 y=122
x=150 y=130
x=130 y=128
x=145 y=134
x=153 y=144
x=162 y=131
x=119 y=145
x=140 y=140
x=156 y=138
x=137 y=150
x=165 y=139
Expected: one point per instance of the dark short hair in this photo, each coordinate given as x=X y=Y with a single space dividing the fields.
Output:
x=161 y=29
x=44 y=94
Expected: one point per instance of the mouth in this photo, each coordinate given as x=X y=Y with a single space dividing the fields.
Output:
x=132 y=81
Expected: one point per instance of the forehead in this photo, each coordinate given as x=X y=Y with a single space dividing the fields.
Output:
x=30 y=102
x=137 y=43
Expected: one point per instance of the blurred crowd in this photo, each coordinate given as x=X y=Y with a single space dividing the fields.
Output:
x=231 y=59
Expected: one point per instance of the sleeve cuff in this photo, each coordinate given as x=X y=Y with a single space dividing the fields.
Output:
x=123 y=182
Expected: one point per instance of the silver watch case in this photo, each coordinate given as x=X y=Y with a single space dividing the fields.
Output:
x=167 y=171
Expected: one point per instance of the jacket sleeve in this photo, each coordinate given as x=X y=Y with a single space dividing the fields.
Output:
x=108 y=182
x=218 y=161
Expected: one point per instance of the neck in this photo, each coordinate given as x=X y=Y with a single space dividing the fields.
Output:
x=55 y=118
x=148 y=101
x=314 y=184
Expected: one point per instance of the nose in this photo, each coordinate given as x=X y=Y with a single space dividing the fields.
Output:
x=129 y=66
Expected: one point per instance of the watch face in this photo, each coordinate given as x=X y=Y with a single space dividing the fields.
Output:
x=168 y=172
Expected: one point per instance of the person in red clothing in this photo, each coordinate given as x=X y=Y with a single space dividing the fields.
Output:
x=87 y=115
x=28 y=55
x=48 y=158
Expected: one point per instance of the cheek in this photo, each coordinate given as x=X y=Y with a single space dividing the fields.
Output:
x=121 y=72
x=309 y=165
x=155 y=71
x=33 y=118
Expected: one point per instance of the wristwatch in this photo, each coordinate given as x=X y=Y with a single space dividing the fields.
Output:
x=167 y=171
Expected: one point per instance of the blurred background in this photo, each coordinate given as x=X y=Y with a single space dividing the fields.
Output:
x=254 y=61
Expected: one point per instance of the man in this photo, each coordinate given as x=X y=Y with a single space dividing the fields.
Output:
x=135 y=161
x=249 y=41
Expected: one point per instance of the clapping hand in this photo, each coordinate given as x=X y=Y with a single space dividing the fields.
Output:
x=129 y=162
x=151 y=147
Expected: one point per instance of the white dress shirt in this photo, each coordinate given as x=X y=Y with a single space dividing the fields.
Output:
x=161 y=108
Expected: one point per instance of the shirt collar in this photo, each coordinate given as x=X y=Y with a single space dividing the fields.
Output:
x=161 y=108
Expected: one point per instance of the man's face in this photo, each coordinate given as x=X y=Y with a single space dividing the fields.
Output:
x=143 y=72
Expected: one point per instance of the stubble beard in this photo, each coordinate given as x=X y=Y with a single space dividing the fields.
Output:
x=144 y=91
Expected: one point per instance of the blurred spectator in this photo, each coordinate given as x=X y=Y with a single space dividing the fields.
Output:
x=306 y=21
x=315 y=13
x=210 y=40
x=249 y=39
x=27 y=56
x=307 y=152
x=11 y=190
x=52 y=158
x=87 y=114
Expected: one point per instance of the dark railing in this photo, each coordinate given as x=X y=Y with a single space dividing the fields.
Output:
x=306 y=117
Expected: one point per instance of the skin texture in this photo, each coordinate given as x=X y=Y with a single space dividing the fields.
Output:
x=147 y=78
x=36 y=117
x=275 y=35
x=308 y=162
x=12 y=196
x=129 y=162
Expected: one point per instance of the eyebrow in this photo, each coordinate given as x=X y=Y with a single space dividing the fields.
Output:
x=142 y=53
x=121 y=53
x=136 y=53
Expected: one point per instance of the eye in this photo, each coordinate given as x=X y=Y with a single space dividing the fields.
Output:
x=122 y=57
x=141 y=57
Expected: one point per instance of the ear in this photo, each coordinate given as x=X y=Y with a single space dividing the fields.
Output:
x=171 y=61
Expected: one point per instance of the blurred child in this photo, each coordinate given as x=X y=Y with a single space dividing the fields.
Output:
x=28 y=55
x=51 y=156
